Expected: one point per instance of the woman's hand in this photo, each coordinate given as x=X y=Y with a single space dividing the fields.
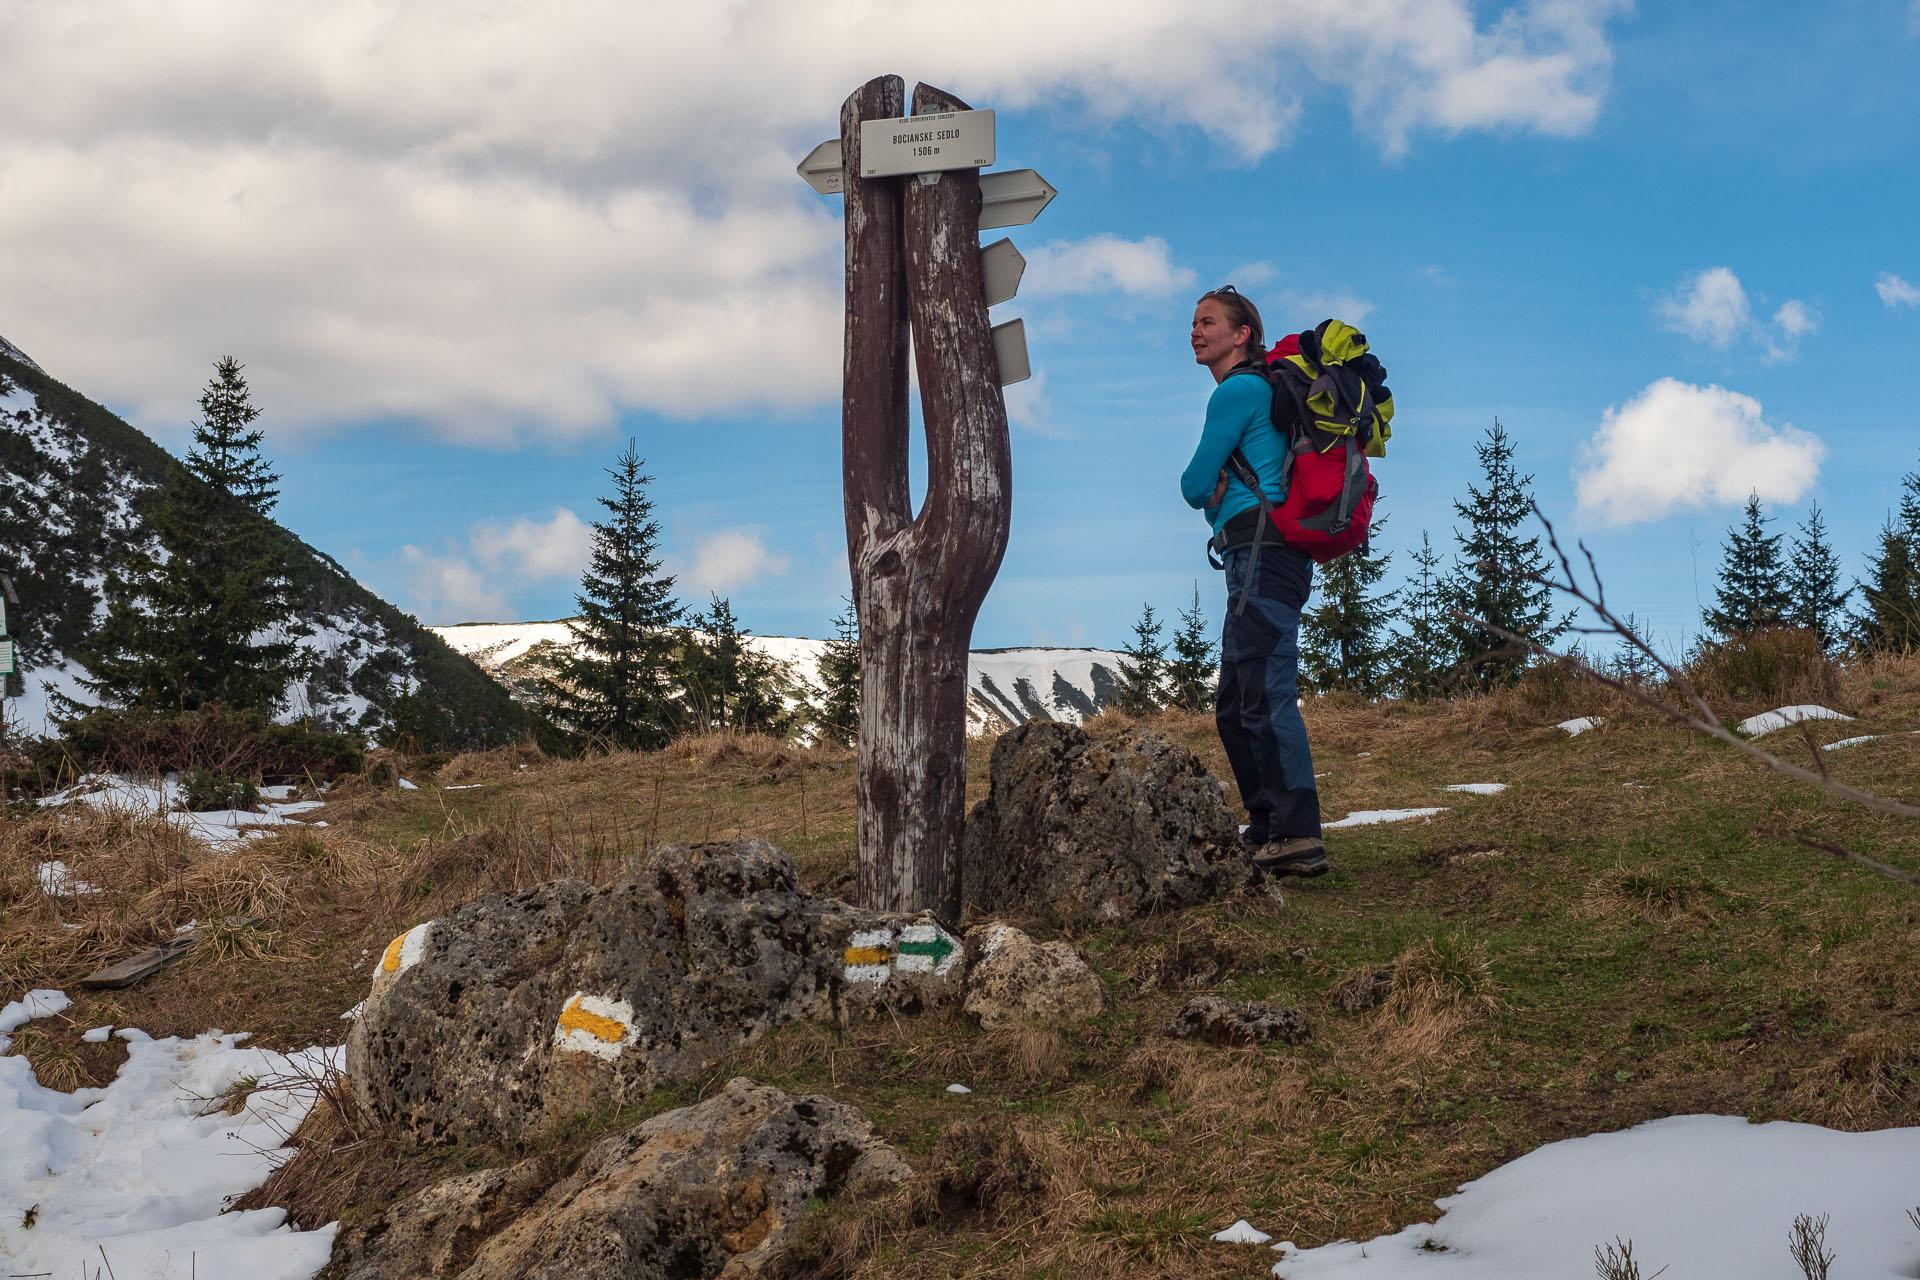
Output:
x=1219 y=490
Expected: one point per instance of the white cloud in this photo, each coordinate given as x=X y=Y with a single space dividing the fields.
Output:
x=729 y=559
x=497 y=217
x=1030 y=409
x=1304 y=310
x=1106 y=264
x=1796 y=319
x=1894 y=291
x=1676 y=446
x=449 y=588
x=1711 y=307
x=558 y=548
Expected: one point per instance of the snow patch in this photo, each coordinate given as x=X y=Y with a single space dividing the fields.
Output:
x=57 y=881
x=142 y=1170
x=1700 y=1195
x=1241 y=1232
x=1479 y=788
x=1850 y=742
x=1368 y=817
x=1780 y=717
x=1575 y=728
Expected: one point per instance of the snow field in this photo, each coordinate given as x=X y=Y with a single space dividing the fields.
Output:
x=116 y=793
x=1706 y=1196
x=141 y=1170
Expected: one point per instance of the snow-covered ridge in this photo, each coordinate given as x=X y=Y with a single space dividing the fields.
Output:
x=1005 y=687
x=14 y=353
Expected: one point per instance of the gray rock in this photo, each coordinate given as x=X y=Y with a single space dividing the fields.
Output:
x=435 y=1233
x=1013 y=979
x=513 y=1013
x=1087 y=831
x=716 y=1189
x=1221 y=1021
x=1364 y=988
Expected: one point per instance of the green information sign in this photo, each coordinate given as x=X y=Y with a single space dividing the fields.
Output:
x=6 y=657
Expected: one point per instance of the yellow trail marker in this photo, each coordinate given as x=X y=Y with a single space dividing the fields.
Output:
x=391 y=961
x=574 y=1018
x=866 y=955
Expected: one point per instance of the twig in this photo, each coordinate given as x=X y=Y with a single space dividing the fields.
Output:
x=1840 y=851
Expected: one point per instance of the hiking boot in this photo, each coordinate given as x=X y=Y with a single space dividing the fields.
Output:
x=1300 y=856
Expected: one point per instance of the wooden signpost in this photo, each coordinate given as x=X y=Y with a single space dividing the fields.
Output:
x=914 y=212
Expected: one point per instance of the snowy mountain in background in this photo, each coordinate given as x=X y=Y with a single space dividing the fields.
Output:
x=74 y=480
x=1005 y=687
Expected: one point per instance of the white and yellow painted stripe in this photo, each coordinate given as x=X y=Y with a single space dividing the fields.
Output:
x=404 y=951
x=867 y=955
x=592 y=1024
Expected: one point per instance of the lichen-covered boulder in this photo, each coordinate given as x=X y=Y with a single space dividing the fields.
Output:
x=1087 y=831
x=1013 y=979
x=1221 y=1021
x=715 y=1189
x=513 y=1013
x=436 y=1231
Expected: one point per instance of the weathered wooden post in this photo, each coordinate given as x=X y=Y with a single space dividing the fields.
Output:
x=913 y=261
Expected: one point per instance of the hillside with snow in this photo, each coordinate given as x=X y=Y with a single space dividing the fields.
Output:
x=1005 y=687
x=74 y=485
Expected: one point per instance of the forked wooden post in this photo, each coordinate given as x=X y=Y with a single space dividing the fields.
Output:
x=918 y=582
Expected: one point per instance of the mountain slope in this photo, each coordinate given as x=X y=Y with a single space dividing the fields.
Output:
x=73 y=480
x=1005 y=687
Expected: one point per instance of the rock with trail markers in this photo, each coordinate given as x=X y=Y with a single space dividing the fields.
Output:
x=1013 y=979
x=1087 y=831
x=511 y=1014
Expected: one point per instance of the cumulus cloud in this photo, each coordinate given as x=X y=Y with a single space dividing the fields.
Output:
x=1895 y=292
x=1795 y=319
x=1710 y=307
x=469 y=584
x=731 y=558
x=491 y=217
x=1304 y=310
x=451 y=588
x=556 y=548
x=1677 y=446
x=1106 y=264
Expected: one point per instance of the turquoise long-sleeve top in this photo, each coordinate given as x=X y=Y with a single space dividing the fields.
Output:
x=1239 y=415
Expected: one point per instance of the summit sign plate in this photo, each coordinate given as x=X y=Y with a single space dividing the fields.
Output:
x=926 y=144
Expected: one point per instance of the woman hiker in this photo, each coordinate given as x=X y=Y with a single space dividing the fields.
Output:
x=1258 y=709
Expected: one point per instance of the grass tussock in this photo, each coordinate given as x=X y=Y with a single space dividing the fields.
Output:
x=1772 y=667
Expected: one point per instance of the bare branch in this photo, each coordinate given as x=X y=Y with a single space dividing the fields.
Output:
x=1697 y=714
x=1840 y=851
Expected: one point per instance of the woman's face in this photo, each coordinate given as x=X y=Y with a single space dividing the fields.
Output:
x=1214 y=337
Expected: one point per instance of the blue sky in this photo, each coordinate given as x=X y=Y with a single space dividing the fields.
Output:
x=1673 y=249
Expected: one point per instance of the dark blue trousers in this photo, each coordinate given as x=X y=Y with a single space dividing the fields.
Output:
x=1258 y=708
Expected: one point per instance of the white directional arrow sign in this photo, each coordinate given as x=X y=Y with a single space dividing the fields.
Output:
x=1010 y=351
x=1013 y=198
x=1009 y=199
x=1001 y=267
x=822 y=169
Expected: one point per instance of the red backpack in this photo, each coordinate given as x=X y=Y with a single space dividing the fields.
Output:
x=1331 y=403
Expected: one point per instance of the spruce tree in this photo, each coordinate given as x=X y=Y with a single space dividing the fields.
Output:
x=1631 y=663
x=1813 y=582
x=1424 y=654
x=1143 y=669
x=1344 y=643
x=206 y=615
x=614 y=686
x=1193 y=670
x=840 y=674
x=728 y=685
x=1889 y=622
x=1752 y=592
x=1492 y=579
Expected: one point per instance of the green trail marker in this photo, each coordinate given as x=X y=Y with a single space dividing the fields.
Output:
x=925 y=948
